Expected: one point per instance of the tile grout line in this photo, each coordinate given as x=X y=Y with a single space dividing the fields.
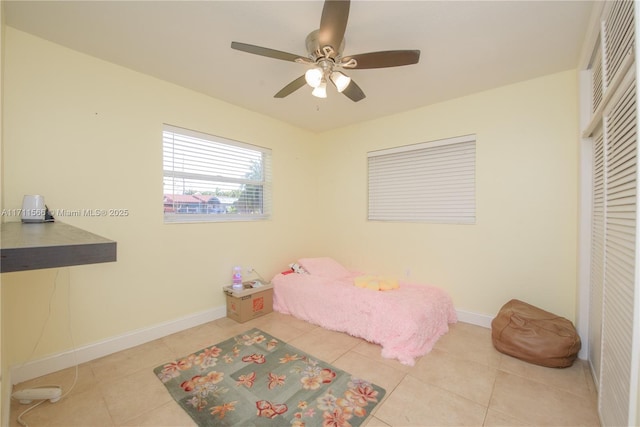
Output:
x=493 y=387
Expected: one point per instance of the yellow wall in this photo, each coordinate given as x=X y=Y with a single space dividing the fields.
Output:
x=86 y=134
x=524 y=242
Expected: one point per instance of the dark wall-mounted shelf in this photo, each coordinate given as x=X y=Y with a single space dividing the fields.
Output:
x=34 y=246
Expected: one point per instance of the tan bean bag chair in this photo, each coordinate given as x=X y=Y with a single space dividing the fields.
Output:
x=534 y=335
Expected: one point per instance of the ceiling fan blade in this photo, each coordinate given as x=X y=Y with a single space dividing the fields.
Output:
x=383 y=59
x=333 y=24
x=353 y=92
x=291 y=87
x=269 y=53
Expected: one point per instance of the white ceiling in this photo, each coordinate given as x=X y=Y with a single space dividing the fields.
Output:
x=466 y=47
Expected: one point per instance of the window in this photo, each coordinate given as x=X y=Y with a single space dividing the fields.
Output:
x=209 y=178
x=427 y=182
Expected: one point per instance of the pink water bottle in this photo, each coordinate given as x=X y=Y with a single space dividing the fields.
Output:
x=237 y=277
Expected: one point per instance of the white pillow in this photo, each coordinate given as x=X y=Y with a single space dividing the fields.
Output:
x=324 y=267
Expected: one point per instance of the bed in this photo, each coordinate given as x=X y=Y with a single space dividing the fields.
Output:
x=406 y=321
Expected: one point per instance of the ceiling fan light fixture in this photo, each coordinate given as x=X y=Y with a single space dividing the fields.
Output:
x=313 y=76
x=340 y=80
x=325 y=47
x=321 y=90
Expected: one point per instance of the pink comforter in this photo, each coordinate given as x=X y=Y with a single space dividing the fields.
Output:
x=406 y=321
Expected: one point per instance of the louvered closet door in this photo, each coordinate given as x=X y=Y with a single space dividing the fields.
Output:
x=597 y=253
x=597 y=81
x=620 y=130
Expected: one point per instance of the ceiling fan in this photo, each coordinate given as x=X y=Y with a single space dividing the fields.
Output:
x=324 y=47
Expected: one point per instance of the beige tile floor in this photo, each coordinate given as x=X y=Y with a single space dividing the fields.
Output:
x=463 y=381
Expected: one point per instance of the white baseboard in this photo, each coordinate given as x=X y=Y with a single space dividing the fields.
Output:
x=474 y=318
x=57 y=362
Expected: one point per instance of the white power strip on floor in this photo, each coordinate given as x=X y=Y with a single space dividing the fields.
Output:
x=27 y=396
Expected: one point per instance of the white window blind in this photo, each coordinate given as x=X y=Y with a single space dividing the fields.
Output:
x=210 y=178
x=427 y=182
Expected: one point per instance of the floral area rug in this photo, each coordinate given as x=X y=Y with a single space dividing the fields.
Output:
x=255 y=379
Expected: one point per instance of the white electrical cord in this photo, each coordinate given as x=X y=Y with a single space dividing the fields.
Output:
x=21 y=421
x=75 y=379
x=253 y=270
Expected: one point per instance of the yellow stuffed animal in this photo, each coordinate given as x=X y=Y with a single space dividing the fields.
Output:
x=376 y=283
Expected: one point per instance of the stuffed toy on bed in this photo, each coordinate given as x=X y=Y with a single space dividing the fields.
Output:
x=297 y=268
